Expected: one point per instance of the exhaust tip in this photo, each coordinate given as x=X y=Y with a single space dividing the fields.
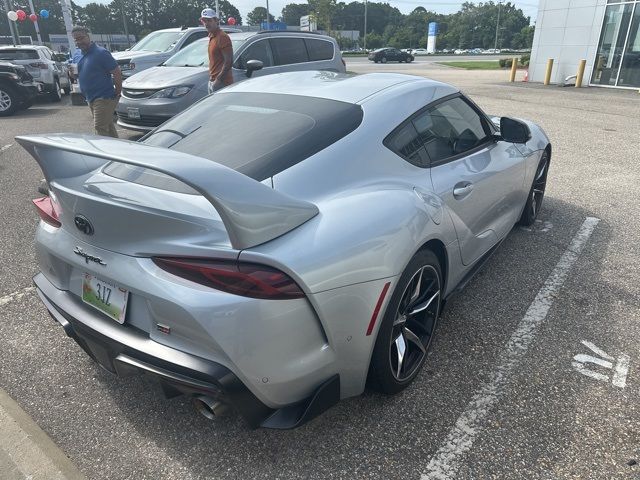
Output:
x=209 y=407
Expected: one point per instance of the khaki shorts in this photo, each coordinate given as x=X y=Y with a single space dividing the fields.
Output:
x=102 y=110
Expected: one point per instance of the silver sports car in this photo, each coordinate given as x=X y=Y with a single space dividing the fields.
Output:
x=281 y=243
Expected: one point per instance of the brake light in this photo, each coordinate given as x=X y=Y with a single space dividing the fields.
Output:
x=244 y=279
x=48 y=212
x=40 y=65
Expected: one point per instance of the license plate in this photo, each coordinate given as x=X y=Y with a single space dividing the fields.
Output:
x=133 y=112
x=105 y=296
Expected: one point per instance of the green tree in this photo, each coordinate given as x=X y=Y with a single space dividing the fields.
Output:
x=324 y=11
x=292 y=12
x=259 y=15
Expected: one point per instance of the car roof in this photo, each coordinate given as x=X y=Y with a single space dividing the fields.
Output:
x=335 y=86
x=28 y=47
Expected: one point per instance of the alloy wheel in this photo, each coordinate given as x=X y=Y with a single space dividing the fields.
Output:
x=5 y=101
x=414 y=323
x=539 y=185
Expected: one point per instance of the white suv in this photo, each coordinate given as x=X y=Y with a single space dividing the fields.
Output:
x=43 y=66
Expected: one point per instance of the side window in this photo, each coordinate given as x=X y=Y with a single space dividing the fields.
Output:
x=319 y=49
x=450 y=128
x=289 y=50
x=405 y=142
x=193 y=37
x=259 y=50
x=45 y=53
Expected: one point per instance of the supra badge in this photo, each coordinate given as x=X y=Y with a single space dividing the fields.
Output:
x=87 y=257
x=83 y=224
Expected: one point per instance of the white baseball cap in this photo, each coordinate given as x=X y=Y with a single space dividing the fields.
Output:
x=209 y=13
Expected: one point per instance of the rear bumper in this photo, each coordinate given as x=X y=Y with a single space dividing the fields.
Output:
x=125 y=351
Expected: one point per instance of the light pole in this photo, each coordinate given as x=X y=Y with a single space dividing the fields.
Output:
x=495 y=45
x=365 y=25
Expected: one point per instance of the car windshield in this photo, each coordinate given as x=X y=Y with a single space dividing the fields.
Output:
x=16 y=54
x=158 y=41
x=195 y=55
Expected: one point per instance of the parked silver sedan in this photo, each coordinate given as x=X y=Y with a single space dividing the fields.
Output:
x=284 y=240
x=152 y=96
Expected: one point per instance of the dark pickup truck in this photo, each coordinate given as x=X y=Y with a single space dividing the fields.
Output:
x=17 y=88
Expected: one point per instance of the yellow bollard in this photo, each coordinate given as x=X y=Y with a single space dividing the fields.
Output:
x=547 y=76
x=514 y=66
x=580 y=73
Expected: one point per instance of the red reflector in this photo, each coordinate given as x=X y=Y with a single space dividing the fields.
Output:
x=374 y=317
x=47 y=211
x=244 y=279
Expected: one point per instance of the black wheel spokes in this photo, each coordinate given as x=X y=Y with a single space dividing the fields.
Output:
x=415 y=321
x=539 y=186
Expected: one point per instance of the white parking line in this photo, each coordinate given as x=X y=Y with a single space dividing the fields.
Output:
x=16 y=295
x=6 y=147
x=444 y=464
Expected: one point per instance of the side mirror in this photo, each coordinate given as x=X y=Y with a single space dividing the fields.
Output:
x=252 y=66
x=514 y=131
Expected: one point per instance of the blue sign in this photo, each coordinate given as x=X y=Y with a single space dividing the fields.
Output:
x=433 y=29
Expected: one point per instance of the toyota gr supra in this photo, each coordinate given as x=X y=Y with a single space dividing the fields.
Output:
x=284 y=242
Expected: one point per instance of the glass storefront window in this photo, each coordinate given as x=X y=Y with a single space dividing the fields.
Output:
x=630 y=69
x=617 y=61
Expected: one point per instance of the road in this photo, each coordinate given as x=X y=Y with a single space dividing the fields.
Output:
x=533 y=373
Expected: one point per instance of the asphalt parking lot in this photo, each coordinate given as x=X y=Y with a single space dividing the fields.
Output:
x=534 y=372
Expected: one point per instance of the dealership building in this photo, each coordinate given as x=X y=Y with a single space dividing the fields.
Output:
x=605 y=33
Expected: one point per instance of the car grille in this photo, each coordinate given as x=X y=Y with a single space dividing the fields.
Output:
x=136 y=94
x=144 y=120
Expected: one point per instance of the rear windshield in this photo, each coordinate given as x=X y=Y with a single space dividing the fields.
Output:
x=18 y=54
x=257 y=134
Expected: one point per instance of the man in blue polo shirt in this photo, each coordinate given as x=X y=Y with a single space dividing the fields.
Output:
x=100 y=80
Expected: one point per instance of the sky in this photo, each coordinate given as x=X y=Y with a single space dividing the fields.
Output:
x=529 y=7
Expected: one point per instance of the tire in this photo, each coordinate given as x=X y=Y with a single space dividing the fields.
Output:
x=55 y=94
x=409 y=59
x=409 y=323
x=8 y=101
x=536 y=193
x=67 y=90
x=383 y=59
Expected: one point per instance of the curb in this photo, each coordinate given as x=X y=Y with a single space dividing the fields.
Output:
x=26 y=451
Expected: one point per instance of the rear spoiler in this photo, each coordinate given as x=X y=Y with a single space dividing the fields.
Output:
x=252 y=213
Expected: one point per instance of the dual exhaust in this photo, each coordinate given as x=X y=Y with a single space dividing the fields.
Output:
x=209 y=407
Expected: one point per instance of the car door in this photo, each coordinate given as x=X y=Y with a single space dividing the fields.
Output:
x=478 y=178
x=258 y=50
x=289 y=54
x=394 y=54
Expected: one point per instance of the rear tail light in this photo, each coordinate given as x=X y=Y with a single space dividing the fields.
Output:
x=41 y=65
x=244 y=279
x=48 y=211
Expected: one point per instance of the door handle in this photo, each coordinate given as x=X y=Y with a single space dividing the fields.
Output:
x=462 y=190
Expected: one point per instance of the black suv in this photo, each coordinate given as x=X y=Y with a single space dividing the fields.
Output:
x=385 y=55
x=17 y=88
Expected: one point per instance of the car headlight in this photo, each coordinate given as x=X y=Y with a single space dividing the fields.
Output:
x=172 y=92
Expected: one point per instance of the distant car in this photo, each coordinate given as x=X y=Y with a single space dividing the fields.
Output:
x=459 y=51
x=384 y=55
x=420 y=51
x=223 y=254
x=17 y=88
x=43 y=65
x=151 y=97
x=159 y=46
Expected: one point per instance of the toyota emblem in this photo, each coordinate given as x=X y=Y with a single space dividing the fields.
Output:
x=83 y=224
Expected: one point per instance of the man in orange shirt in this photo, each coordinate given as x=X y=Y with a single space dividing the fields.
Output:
x=220 y=51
